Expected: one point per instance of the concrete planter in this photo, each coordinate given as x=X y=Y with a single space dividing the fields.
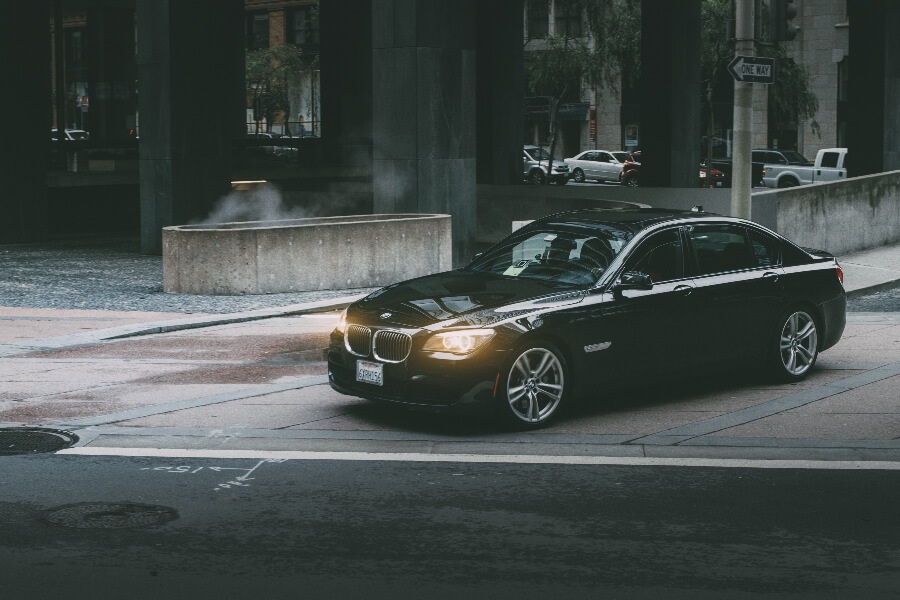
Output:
x=327 y=253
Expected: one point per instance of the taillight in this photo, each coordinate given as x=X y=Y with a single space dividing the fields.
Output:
x=840 y=271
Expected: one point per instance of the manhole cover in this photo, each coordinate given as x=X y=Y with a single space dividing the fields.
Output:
x=109 y=515
x=30 y=440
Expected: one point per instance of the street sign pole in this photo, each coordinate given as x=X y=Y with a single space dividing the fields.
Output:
x=741 y=164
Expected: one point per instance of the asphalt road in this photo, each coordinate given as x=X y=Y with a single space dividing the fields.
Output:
x=113 y=527
x=884 y=301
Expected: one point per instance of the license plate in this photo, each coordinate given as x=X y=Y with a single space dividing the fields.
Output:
x=369 y=372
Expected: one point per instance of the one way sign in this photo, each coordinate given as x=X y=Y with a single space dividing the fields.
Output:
x=753 y=69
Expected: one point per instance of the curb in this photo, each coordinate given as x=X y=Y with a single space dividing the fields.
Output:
x=139 y=329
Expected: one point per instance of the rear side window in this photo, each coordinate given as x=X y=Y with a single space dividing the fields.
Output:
x=829 y=159
x=721 y=248
x=766 y=249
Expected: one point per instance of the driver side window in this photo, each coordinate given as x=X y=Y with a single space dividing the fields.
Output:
x=660 y=256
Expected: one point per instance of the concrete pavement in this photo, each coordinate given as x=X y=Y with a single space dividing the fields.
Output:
x=255 y=381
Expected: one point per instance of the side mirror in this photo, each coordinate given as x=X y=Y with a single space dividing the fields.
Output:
x=633 y=280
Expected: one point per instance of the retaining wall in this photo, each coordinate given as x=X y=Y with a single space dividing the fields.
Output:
x=266 y=257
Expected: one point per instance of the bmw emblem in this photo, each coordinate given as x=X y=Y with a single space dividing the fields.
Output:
x=386 y=315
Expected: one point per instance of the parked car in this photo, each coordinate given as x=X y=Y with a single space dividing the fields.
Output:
x=726 y=167
x=76 y=135
x=631 y=170
x=779 y=157
x=713 y=175
x=631 y=173
x=596 y=165
x=536 y=161
x=830 y=165
x=571 y=302
x=271 y=145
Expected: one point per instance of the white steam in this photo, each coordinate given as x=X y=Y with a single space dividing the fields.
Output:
x=263 y=203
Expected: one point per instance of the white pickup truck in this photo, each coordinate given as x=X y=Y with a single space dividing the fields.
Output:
x=830 y=165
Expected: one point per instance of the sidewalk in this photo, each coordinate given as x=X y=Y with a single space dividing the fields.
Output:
x=245 y=373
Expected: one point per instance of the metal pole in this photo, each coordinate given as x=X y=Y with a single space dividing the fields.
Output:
x=742 y=167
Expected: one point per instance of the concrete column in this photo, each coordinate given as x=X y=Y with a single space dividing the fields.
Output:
x=25 y=102
x=191 y=69
x=500 y=92
x=891 y=88
x=670 y=92
x=423 y=107
x=346 y=59
x=112 y=72
x=868 y=88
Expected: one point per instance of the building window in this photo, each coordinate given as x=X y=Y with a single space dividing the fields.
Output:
x=568 y=20
x=538 y=19
x=303 y=26
x=257 y=30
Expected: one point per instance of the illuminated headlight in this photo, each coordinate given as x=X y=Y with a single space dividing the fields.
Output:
x=342 y=322
x=464 y=341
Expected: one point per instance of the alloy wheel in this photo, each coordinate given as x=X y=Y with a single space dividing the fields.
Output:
x=578 y=176
x=798 y=344
x=535 y=385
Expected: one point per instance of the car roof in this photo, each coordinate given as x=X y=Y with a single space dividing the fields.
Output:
x=631 y=219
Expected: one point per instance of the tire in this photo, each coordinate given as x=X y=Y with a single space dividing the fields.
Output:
x=578 y=176
x=536 y=177
x=786 y=183
x=796 y=345
x=534 y=386
x=632 y=181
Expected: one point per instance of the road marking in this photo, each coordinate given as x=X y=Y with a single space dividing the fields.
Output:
x=490 y=458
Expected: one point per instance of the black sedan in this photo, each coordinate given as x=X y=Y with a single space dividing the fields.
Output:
x=574 y=300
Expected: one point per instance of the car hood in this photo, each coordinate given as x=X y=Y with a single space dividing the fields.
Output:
x=458 y=298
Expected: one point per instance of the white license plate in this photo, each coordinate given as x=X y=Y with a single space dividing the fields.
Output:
x=369 y=372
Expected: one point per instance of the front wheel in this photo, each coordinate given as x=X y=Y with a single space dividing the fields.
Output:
x=578 y=176
x=534 y=387
x=798 y=345
x=536 y=177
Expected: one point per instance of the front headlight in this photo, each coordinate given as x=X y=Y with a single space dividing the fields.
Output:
x=342 y=322
x=464 y=341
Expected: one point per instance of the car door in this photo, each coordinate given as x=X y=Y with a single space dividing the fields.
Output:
x=637 y=331
x=607 y=170
x=738 y=288
x=588 y=164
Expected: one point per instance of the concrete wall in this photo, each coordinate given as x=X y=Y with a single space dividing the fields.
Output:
x=842 y=216
x=839 y=217
x=267 y=257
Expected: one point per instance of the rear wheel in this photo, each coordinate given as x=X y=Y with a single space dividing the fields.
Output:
x=632 y=181
x=534 y=386
x=786 y=183
x=797 y=339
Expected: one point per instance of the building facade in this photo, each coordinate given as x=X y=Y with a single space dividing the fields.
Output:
x=612 y=120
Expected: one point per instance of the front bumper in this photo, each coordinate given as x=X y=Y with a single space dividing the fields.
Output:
x=422 y=381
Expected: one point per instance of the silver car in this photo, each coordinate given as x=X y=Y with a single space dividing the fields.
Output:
x=536 y=162
x=596 y=165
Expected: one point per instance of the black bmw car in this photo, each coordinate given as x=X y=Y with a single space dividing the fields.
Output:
x=574 y=300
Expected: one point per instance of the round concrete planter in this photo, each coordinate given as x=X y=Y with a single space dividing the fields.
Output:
x=327 y=253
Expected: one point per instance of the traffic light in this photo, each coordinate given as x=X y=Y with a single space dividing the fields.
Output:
x=782 y=13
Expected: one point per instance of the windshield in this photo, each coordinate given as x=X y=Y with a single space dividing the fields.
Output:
x=556 y=254
x=538 y=153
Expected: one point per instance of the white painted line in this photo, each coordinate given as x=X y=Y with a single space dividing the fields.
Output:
x=486 y=458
